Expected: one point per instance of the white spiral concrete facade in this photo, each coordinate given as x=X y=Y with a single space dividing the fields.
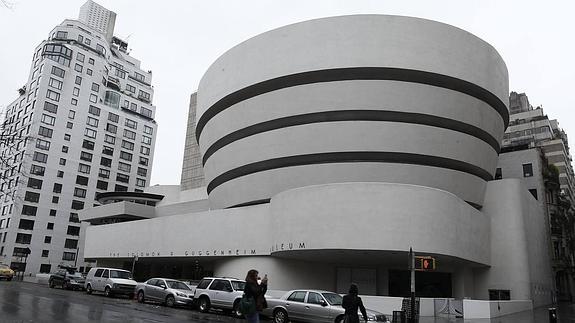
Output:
x=384 y=99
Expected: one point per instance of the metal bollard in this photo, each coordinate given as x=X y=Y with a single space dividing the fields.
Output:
x=552 y=314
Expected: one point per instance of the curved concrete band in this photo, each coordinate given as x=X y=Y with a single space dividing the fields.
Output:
x=407 y=93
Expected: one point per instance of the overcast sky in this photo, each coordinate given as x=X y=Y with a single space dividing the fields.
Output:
x=178 y=40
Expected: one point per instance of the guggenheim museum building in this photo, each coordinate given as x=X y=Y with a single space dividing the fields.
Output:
x=321 y=152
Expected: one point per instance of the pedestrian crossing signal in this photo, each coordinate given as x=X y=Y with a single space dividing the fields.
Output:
x=424 y=263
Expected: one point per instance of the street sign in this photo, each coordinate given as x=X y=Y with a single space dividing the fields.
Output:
x=424 y=263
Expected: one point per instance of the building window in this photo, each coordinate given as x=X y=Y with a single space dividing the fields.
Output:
x=26 y=224
x=88 y=144
x=93 y=98
x=102 y=185
x=80 y=57
x=76 y=91
x=55 y=199
x=45 y=132
x=110 y=139
x=62 y=34
x=37 y=170
x=32 y=197
x=130 y=88
x=120 y=188
x=78 y=81
x=78 y=68
x=527 y=170
x=108 y=151
x=71 y=114
x=82 y=180
x=53 y=212
x=85 y=156
x=139 y=77
x=71 y=244
x=112 y=99
x=111 y=128
x=123 y=178
x=40 y=157
x=131 y=124
x=133 y=107
x=42 y=144
x=60 y=174
x=58 y=71
x=113 y=117
x=88 y=71
x=128 y=145
x=19 y=252
x=104 y=173
x=499 y=295
x=47 y=239
x=23 y=238
x=54 y=83
x=94 y=110
x=124 y=167
x=70 y=256
x=105 y=162
x=129 y=134
x=79 y=192
x=49 y=120
x=143 y=161
x=125 y=156
x=73 y=218
x=92 y=122
x=83 y=168
x=533 y=192
x=140 y=182
x=35 y=183
x=73 y=231
x=63 y=161
x=50 y=107
x=91 y=61
x=53 y=95
x=45 y=268
x=45 y=254
x=146 y=140
x=67 y=136
x=95 y=87
x=144 y=150
x=142 y=172
x=146 y=112
x=57 y=188
x=69 y=125
x=29 y=210
x=148 y=130
x=90 y=133
x=50 y=226
x=145 y=96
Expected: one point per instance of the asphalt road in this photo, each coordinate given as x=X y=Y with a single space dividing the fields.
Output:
x=27 y=302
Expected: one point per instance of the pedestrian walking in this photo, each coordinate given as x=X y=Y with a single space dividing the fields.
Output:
x=254 y=293
x=351 y=303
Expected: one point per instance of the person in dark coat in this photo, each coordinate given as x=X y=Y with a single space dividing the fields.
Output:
x=257 y=291
x=351 y=303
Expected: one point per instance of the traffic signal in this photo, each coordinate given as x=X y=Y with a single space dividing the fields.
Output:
x=424 y=263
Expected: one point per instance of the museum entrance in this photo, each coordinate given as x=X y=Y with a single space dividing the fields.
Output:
x=187 y=270
x=427 y=284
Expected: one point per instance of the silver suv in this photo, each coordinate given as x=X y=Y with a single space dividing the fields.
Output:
x=223 y=293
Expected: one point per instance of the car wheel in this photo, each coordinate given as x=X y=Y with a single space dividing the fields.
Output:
x=170 y=301
x=204 y=304
x=65 y=285
x=339 y=319
x=236 y=311
x=141 y=298
x=89 y=289
x=9 y=278
x=280 y=316
x=108 y=292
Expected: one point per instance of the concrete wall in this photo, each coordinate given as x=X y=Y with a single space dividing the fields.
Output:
x=253 y=107
x=475 y=309
x=519 y=245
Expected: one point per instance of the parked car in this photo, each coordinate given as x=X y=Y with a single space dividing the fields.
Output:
x=6 y=272
x=311 y=306
x=223 y=293
x=168 y=291
x=67 y=278
x=110 y=281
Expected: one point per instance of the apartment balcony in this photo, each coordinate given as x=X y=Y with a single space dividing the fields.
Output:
x=123 y=211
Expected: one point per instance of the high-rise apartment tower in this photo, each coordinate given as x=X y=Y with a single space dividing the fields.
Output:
x=83 y=124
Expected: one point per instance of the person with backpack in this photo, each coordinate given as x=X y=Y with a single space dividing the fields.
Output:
x=254 y=301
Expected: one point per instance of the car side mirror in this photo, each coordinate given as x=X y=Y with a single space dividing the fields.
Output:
x=323 y=303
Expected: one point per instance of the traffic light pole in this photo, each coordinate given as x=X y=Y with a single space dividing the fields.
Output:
x=412 y=269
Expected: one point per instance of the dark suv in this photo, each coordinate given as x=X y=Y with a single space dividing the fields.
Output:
x=67 y=278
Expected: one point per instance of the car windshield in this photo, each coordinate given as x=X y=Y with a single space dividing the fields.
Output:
x=120 y=274
x=238 y=285
x=173 y=284
x=333 y=298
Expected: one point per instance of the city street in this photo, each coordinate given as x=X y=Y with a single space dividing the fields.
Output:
x=27 y=302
